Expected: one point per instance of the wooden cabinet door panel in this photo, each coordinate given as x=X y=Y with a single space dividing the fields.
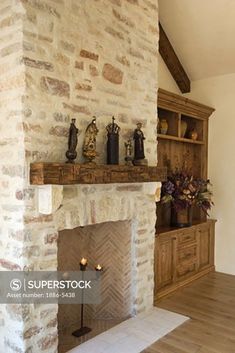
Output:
x=205 y=249
x=164 y=261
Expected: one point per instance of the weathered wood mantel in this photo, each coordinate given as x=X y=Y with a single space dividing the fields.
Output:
x=70 y=174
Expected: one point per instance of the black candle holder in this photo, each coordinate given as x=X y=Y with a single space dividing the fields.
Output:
x=83 y=330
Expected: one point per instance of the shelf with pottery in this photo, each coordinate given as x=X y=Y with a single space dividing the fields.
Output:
x=179 y=139
x=180 y=127
x=182 y=254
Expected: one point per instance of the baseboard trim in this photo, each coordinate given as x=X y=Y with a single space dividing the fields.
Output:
x=167 y=291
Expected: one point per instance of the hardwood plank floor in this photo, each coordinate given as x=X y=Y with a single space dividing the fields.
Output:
x=210 y=303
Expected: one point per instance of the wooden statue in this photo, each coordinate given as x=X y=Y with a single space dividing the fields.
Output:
x=139 y=157
x=71 y=154
x=129 y=149
x=89 y=145
x=113 y=142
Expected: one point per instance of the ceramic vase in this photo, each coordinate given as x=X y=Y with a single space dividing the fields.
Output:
x=193 y=135
x=181 y=218
x=163 y=126
x=183 y=128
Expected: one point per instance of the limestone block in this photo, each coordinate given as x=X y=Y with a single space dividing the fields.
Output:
x=50 y=198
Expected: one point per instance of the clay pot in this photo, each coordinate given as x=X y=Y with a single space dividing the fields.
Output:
x=193 y=135
x=163 y=126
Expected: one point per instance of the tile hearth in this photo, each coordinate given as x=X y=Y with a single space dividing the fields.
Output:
x=67 y=341
x=135 y=334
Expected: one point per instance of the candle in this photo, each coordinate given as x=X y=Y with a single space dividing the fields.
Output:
x=83 y=261
x=98 y=268
x=83 y=264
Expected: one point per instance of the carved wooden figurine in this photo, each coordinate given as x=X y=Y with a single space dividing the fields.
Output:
x=113 y=142
x=89 y=145
x=139 y=157
x=129 y=150
x=71 y=154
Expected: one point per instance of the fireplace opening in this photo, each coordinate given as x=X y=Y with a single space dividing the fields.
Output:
x=109 y=244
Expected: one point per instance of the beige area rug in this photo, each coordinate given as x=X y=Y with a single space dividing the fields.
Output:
x=135 y=334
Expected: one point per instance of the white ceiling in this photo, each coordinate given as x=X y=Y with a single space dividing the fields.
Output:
x=202 y=33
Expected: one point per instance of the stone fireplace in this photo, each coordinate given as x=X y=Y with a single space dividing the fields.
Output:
x=121 y=238
x=60 y=60
x=69 y=207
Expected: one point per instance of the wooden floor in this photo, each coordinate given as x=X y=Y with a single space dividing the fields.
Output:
x=210 y=303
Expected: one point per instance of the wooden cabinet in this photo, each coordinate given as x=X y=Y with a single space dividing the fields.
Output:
x=183 y=255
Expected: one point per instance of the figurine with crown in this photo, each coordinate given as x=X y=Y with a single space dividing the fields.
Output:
x=113 y=142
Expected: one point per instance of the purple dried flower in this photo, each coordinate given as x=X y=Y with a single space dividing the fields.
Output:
x=183 y=190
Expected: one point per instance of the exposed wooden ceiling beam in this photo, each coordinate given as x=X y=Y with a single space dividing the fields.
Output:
x=172 y=62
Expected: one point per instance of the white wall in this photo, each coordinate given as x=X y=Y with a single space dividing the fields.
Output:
x=218 y=92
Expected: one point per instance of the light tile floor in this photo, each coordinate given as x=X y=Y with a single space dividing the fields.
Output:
x=133 y=335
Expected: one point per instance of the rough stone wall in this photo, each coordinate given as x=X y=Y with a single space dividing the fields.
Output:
x=85 y=58
x=12 y=164
x=63 y=59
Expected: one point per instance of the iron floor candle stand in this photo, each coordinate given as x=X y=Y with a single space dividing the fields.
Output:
x=83 y=330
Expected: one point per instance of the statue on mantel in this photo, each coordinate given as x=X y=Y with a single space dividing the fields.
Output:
x=139 y=157
x=129 y=149
x=71 y=154
x=89 y=145
x=113 y=142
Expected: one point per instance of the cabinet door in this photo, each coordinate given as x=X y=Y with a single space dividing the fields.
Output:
x=164 y=261
x=206 y=245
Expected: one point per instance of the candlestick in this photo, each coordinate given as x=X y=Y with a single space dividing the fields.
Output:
x=83 y=330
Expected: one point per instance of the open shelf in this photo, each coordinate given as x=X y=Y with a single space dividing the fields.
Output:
x=180 y=139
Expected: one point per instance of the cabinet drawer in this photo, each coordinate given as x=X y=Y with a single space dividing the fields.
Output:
x=186 y=238
x=185 y=269
x=187 y=254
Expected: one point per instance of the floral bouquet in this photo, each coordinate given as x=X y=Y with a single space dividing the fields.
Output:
x=183 y=191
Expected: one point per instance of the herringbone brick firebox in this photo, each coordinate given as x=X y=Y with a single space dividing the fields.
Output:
x=107 y=243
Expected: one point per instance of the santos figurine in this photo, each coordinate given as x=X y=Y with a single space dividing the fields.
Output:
x=89 y=145
x=113 y=142
x=71 y=154
x=139 y=157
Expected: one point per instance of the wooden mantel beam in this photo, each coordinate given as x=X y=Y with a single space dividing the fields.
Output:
x=172 y=62
x=70 y=174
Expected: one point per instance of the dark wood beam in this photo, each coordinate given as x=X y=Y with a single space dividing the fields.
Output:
x=172 y=62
